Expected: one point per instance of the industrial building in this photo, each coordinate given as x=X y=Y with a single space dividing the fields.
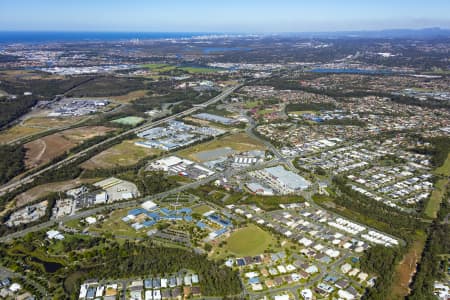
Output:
x=215 y=118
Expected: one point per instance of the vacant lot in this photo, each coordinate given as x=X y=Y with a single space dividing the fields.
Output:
x=250 y=240
x=123 y=154
x=44 y=149
x=52 y=122
x=239 y=142
x=18 y=132
x=435 y=200
x=131 y=120
x=34 y=126
x=405 y=270
x=131 y=96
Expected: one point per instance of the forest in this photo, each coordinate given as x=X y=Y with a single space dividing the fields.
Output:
x=86 y=258
x=11 y=162
x=381 y=261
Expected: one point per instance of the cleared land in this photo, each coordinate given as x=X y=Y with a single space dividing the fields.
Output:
x=131 y=96
x=17 y=132
x=36 y=125
x=42 y=190
x=406 y=269
x=44 y=149
x=250 y=240
x=239 y=142
x=123 y=154
x=50 y=122
x=131 y=120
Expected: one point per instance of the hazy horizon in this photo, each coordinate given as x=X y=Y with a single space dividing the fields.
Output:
x=251 y=16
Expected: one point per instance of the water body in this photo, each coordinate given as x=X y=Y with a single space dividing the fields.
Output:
x=50 y=267
x=45 y=37
x=352 y=71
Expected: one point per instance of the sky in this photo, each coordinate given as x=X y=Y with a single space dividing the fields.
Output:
x=221 y=15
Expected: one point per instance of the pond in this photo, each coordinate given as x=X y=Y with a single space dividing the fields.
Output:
x=49 y=266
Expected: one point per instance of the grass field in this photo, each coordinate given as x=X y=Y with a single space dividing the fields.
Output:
x=17 y=132
x=435 y=200
x=36 y=125
x=131 y=120
x=123 y=154
x=131 y=96
x=252 y=104
x=239 y=142
x=201 y=209
x=48 y=122
x=196 y=70
x=114 y=225
x=250 y=240
x=444 y=170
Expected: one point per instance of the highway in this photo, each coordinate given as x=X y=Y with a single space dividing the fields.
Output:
x=10 y=186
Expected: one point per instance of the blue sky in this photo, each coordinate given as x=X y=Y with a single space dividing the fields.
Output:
x=221 y=15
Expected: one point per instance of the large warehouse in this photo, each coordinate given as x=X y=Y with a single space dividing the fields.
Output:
x=286 y=181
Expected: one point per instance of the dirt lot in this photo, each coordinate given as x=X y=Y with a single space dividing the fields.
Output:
x=43 y=150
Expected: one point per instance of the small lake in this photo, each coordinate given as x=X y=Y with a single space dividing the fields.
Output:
x=50 y=267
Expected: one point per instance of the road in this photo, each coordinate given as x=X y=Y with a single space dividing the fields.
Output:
x=4 y=272
x=270 y=147
x=29 y=178
x=131 y=203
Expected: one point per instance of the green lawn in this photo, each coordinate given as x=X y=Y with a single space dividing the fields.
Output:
x=445 y=168
x=114 y=225
x=251 y=104
x=195 y=70
x=250 y=240
x=434 y=202
x=201 y=209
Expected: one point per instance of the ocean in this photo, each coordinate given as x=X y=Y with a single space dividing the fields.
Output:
x=7 y=37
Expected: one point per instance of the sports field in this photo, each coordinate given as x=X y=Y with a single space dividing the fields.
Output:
x=250 y=240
